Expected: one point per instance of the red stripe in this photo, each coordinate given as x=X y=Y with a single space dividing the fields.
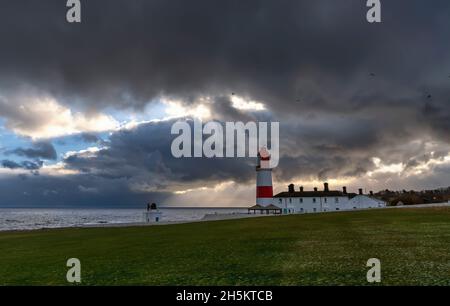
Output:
x=264 y=192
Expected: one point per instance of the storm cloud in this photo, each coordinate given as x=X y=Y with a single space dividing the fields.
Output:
x=320 y=53
x=143 y=155
x=353 y=99
x=44 y=150
x=27 y=165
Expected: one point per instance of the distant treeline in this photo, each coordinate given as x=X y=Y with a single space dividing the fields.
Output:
x=411 y=197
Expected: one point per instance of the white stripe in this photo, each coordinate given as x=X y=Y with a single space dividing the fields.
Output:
x=264 y=201
x=264 y=178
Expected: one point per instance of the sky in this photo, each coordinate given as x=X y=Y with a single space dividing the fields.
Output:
x=86 y=109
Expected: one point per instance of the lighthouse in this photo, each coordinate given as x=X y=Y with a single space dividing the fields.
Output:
x=264 y=189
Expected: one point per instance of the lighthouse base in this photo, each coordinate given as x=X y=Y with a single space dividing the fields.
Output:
x=264 y=201
x=152 y=216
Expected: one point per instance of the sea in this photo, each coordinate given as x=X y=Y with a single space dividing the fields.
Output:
x=41 y=218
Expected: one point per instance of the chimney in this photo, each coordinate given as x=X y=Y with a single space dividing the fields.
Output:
x=371 y=193
x=360 y=191
x=325 y=187
x=344 y=190
x=301 y=188
x=315 y=189
x=291 y=188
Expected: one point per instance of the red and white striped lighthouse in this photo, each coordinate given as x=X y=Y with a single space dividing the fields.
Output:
x=264 y=189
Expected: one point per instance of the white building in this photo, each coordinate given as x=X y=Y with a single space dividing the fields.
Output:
x=302 y=201
x=363 y=201
x=152 y=215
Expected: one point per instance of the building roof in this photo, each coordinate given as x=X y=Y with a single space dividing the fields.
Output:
x=271 y=206
x=312 y=194
x=259 y=207
x=255 y=207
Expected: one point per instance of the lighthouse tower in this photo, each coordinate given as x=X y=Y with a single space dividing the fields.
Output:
x=264 y=189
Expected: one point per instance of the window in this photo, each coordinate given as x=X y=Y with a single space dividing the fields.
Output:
x=280 y=201
x=336 y=200
x=301 y=209
x=325 y=200
x=315 y=209
x=301 y=200
x=314 y=200
x=337 y=208
x=290 y=200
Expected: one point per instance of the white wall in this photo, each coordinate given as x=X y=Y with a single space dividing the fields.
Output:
x=310 y=204
x=323 y=204
x=362 y=201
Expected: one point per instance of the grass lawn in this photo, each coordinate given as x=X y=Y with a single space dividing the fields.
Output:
x=321 y=249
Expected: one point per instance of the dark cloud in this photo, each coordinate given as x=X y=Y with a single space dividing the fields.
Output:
x=143 y=156
x=27 y=165
x=33 y=166
x=89 y=138
x=44 y=150
x=438 y=118
x=127 y=53
x=71 y=191
x=223 y=106
x=10 y=164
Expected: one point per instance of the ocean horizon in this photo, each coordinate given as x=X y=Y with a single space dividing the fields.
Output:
x=26 y=218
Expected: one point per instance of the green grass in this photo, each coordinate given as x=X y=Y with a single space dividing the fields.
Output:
x=322 y=249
